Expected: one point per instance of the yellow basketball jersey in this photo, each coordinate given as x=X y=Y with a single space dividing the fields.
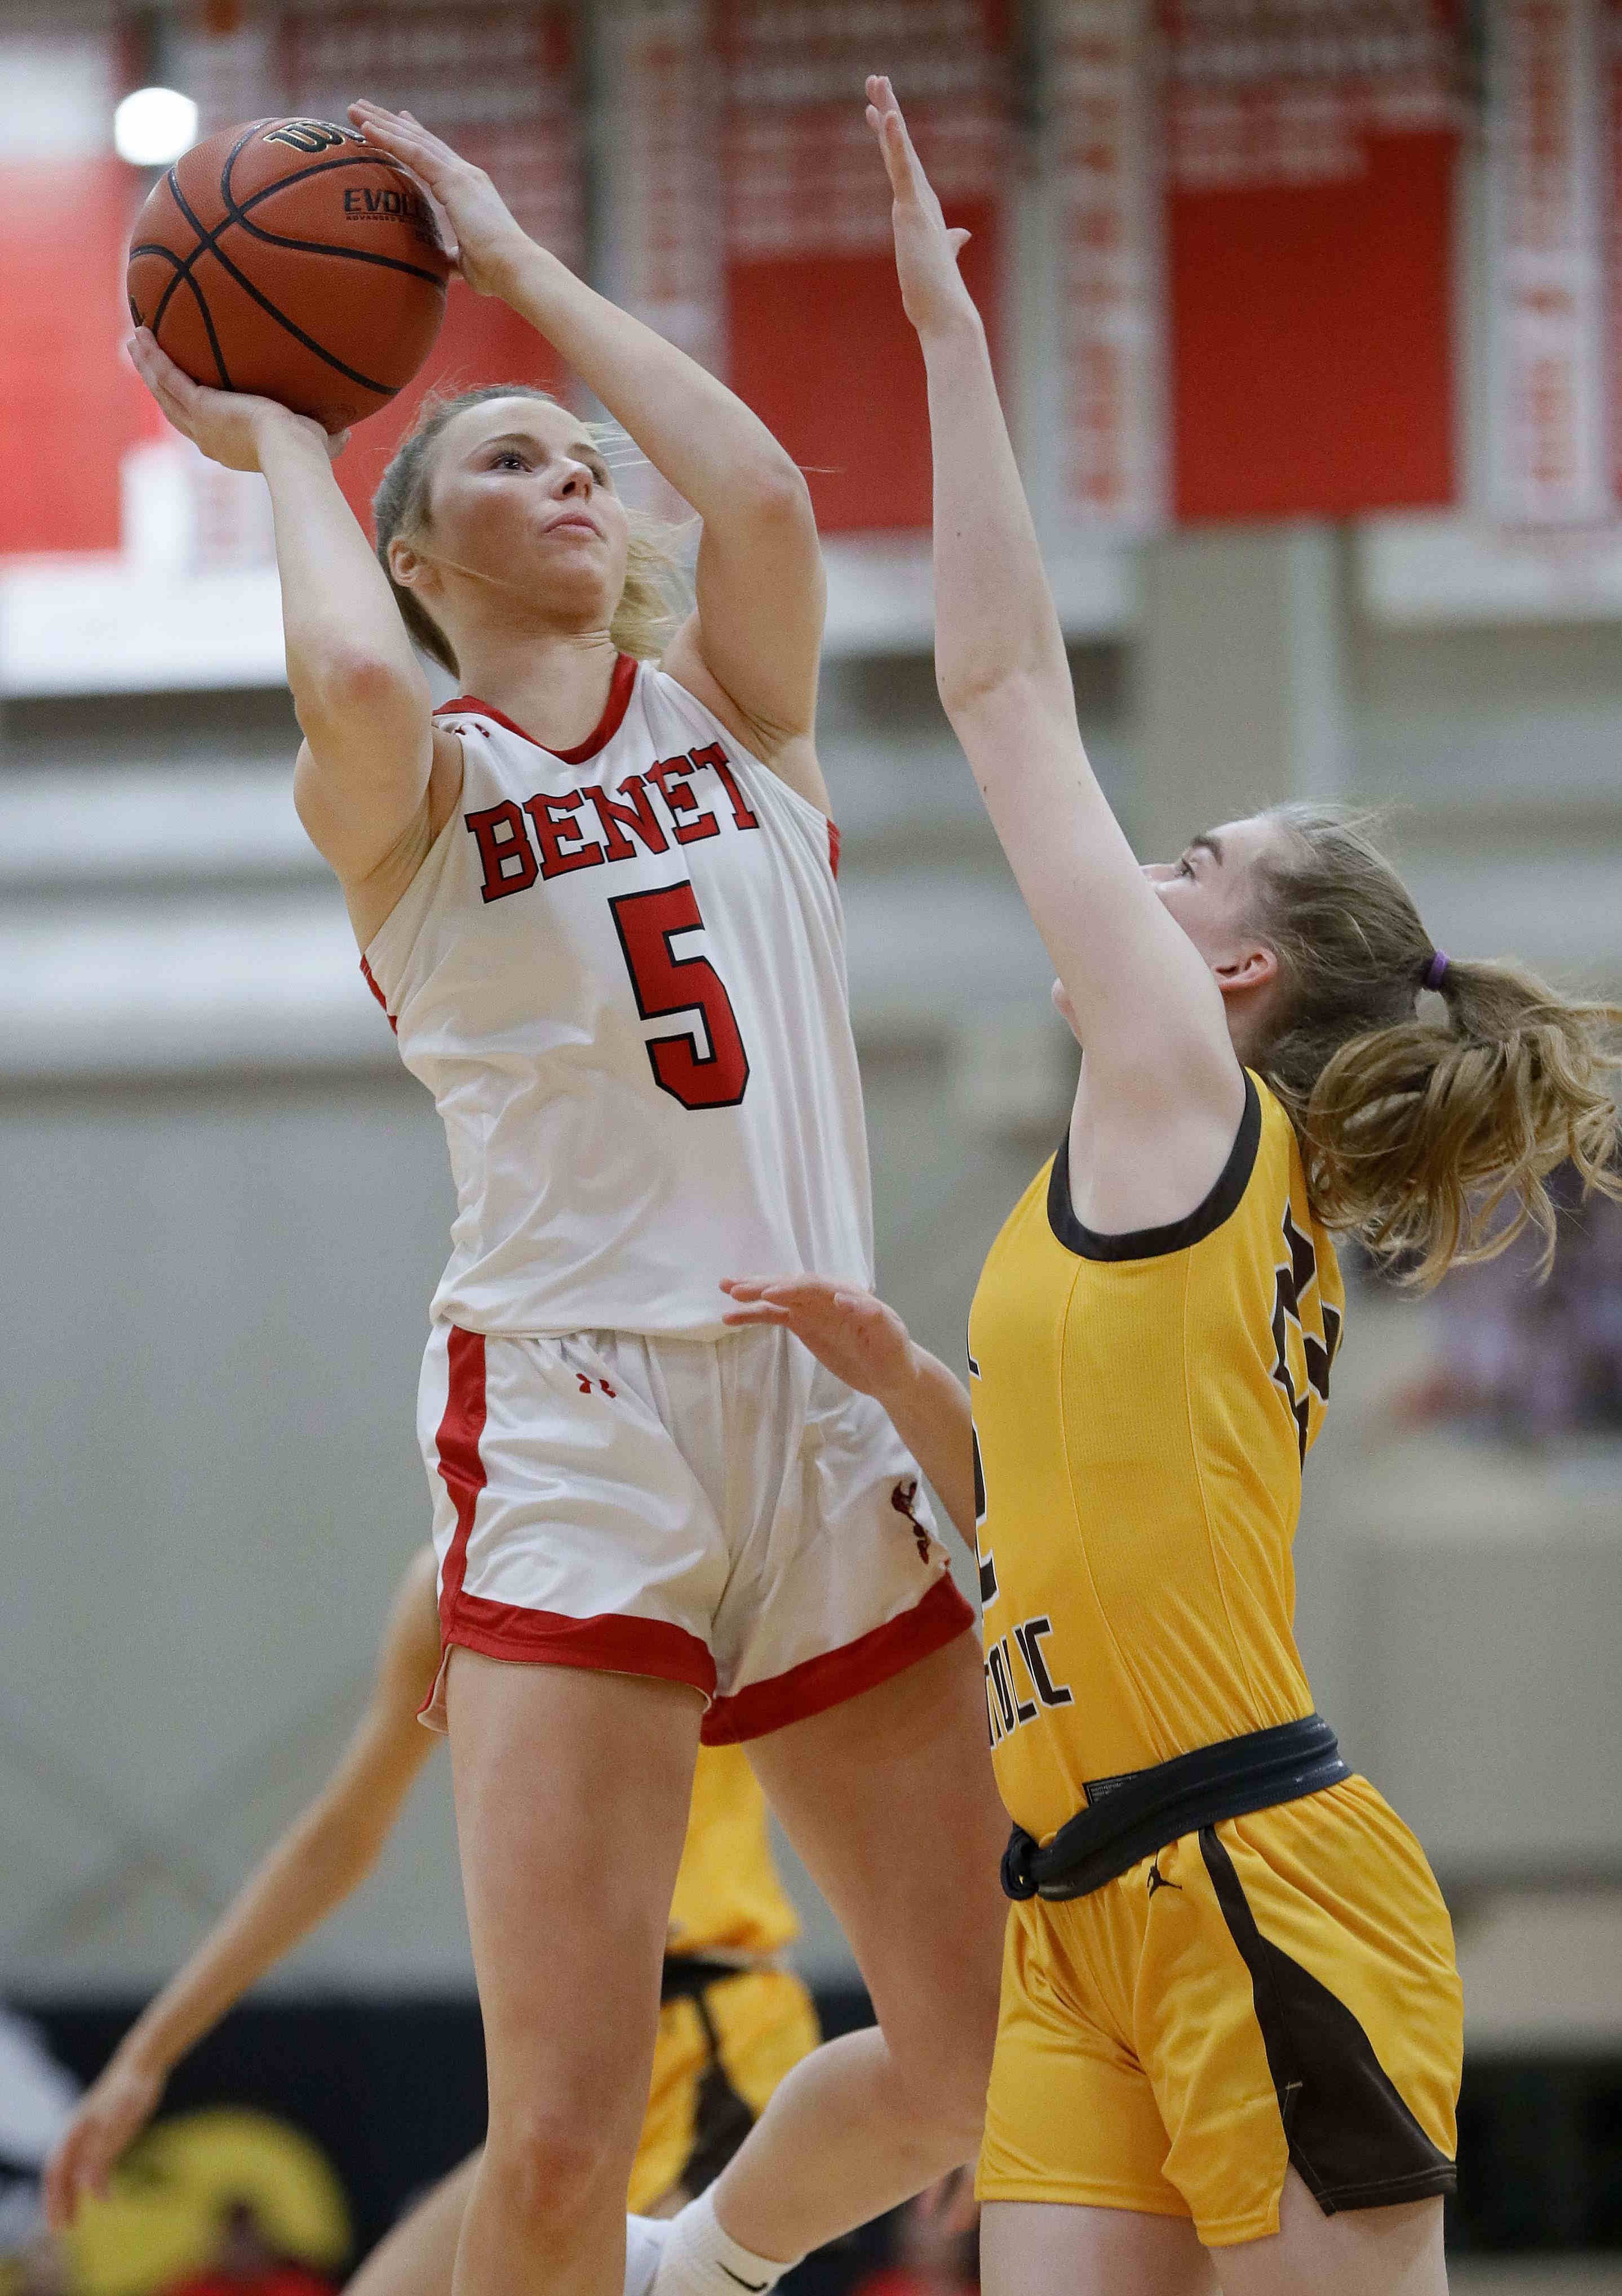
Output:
x=728 y=1898
x=1143 y=1406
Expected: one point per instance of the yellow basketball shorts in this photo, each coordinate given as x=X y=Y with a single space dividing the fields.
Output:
x=703 y=2099
x=1276 y=1990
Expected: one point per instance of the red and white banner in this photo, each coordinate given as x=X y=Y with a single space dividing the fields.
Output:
x=666 y=256
x=1311 y=151
x=816 y=339
x=1549 y=458
x=1111 y=337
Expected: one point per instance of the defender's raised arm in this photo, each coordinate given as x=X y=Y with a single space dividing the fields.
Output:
x=1145 y=1004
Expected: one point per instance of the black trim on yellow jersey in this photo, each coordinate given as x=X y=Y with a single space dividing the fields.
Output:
x=1224 y=1200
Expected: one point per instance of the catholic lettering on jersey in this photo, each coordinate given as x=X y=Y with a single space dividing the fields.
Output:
x=620 y=972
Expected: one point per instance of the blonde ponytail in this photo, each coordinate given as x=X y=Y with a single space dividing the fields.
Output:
x=1432 y=1139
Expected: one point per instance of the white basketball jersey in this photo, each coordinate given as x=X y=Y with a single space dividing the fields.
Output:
x=620 y=972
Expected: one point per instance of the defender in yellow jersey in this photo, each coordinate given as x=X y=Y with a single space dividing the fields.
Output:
x=730 y=2025
x=1229 y=2042
x=1281 y=1985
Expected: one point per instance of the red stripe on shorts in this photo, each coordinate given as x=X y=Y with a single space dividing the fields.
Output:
x=461 y=1469
x=829 y=1679
x=609 y=1643
x=833 y=846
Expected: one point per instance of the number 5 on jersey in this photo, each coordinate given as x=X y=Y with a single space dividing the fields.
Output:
x=664 y=983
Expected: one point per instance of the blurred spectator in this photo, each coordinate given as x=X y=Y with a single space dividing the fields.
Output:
x=937 y=2244
x=245 y=2264
x=1528 y=1361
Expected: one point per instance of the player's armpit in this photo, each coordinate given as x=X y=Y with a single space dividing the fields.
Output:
x=785 y=742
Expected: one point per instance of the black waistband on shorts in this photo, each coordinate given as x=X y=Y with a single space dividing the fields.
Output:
x=1133 y=1815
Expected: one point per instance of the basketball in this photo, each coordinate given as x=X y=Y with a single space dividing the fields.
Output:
x=291 y=259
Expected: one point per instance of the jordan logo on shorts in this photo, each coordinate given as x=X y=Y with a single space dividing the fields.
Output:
x=903 y=1498
x=1155 y=1879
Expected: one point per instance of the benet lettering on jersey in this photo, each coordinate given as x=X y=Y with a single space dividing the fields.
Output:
x=546 y=836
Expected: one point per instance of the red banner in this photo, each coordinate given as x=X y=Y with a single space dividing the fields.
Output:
x=817 y=342
x=1310 y=238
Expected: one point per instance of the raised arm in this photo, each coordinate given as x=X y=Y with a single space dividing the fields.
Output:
x=362 y=700
x=750 y=652
x=324 y=1854
x=1146 y=1004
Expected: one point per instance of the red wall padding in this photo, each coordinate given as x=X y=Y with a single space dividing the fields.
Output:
x=71 y=401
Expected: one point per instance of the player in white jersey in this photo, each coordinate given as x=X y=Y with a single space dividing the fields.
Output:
x=596 y=898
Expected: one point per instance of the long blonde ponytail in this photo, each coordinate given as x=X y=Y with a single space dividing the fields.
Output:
x=1429 y=1133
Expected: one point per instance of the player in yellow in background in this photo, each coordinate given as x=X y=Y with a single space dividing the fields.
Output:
x=1229 y=2044
x=731 y=2022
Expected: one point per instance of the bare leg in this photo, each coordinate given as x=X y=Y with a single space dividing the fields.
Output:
x=1395 y=2252
x=572 y=1791
x=889 y=1800
x=418 y=2256
x=1031 y=2248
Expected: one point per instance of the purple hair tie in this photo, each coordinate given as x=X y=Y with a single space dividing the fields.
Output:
x=1436 y=969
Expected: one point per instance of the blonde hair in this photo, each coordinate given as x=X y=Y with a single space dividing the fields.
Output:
x=1430 y=1139
x=651 y=601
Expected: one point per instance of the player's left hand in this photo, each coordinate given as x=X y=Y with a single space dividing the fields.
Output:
x=932 y=289
x=486 y=237
x=853 y=1334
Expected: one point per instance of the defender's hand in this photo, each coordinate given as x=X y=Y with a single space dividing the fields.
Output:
x=230 y=427
x=487 y=237
x=110 y=2115
x=932 y=290
x=855 y=1336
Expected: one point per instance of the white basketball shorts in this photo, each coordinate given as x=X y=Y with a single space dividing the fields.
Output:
x=720 y=1513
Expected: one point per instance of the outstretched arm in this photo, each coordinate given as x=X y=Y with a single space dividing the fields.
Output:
x=326 y=1852
x=1148 y=1009
x=867 y=1345
x=751 y=650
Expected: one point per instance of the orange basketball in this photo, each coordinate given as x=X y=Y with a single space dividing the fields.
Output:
x=291 y=260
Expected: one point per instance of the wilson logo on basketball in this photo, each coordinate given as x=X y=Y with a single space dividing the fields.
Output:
x=310 y=136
